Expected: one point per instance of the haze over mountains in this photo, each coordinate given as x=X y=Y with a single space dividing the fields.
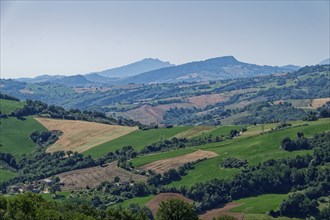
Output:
x=156 y=71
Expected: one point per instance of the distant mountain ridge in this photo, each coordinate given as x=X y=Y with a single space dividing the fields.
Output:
x=145 y=65
x=220 y=68
x=156 y=71
x=105 y=77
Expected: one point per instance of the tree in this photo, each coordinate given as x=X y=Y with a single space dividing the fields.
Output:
x=175 y=209
x=298 y=205
x=116 y=179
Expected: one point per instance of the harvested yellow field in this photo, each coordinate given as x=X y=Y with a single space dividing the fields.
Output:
x=161 y=166
x=82 y=135
x=195 y=131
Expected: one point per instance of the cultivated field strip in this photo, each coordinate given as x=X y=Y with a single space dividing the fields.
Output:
x=161 y=166
x=81 y=135
x=92 y=177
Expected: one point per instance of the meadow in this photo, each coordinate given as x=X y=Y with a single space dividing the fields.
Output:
x=8 y=106
x=14 y=135
x=5 y=175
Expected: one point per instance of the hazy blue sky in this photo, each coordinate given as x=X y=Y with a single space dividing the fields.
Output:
x=84 y=36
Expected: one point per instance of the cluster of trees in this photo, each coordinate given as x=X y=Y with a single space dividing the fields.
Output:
x=324 y=111
x=9 y=159
x=265 y=112
x=109 y=193
x=45 y=138
x=301 y=143
x=32 y=206
x=232 y=162
x=8 y=97
x=52 y=111
x=194 y=116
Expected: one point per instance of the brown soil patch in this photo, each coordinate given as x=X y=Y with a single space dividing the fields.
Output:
x=204 y=100
x=161 y=166
x=316 y=103
x=153 y=204
x=94 y=176
x=209 y=215
x=81 y=135
x=148 y=114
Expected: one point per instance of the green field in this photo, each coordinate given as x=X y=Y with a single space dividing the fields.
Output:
x=260 y=204
x=254 y=149
x=61 y=196
x=8 y=106
x=137 y=139
x=14 y=135
x=5 y=175
x=223 y=130
x=139 y=161
x=138 y=200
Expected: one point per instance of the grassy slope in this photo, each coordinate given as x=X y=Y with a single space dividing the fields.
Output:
x=5 y=175
x=14 y=135
x=259 y=204
x=254 y=149
x=8 y=106
x=137 y=139
x=138 y=200
x=223 y=130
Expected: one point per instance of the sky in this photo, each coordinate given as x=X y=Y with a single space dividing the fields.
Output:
x=77 y=37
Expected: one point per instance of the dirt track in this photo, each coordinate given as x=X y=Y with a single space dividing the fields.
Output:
x=92 y=177
x=161 y=166
x=81 y=135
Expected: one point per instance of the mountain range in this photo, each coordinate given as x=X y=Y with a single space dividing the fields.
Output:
x=150 y=71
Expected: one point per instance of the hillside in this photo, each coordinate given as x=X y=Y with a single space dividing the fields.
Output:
x=202 y=103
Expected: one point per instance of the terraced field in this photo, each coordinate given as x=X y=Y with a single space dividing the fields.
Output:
x=81 y=135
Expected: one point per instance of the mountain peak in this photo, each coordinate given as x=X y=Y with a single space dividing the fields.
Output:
x=325 y=62
x=225 y=60
x=145 y=65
